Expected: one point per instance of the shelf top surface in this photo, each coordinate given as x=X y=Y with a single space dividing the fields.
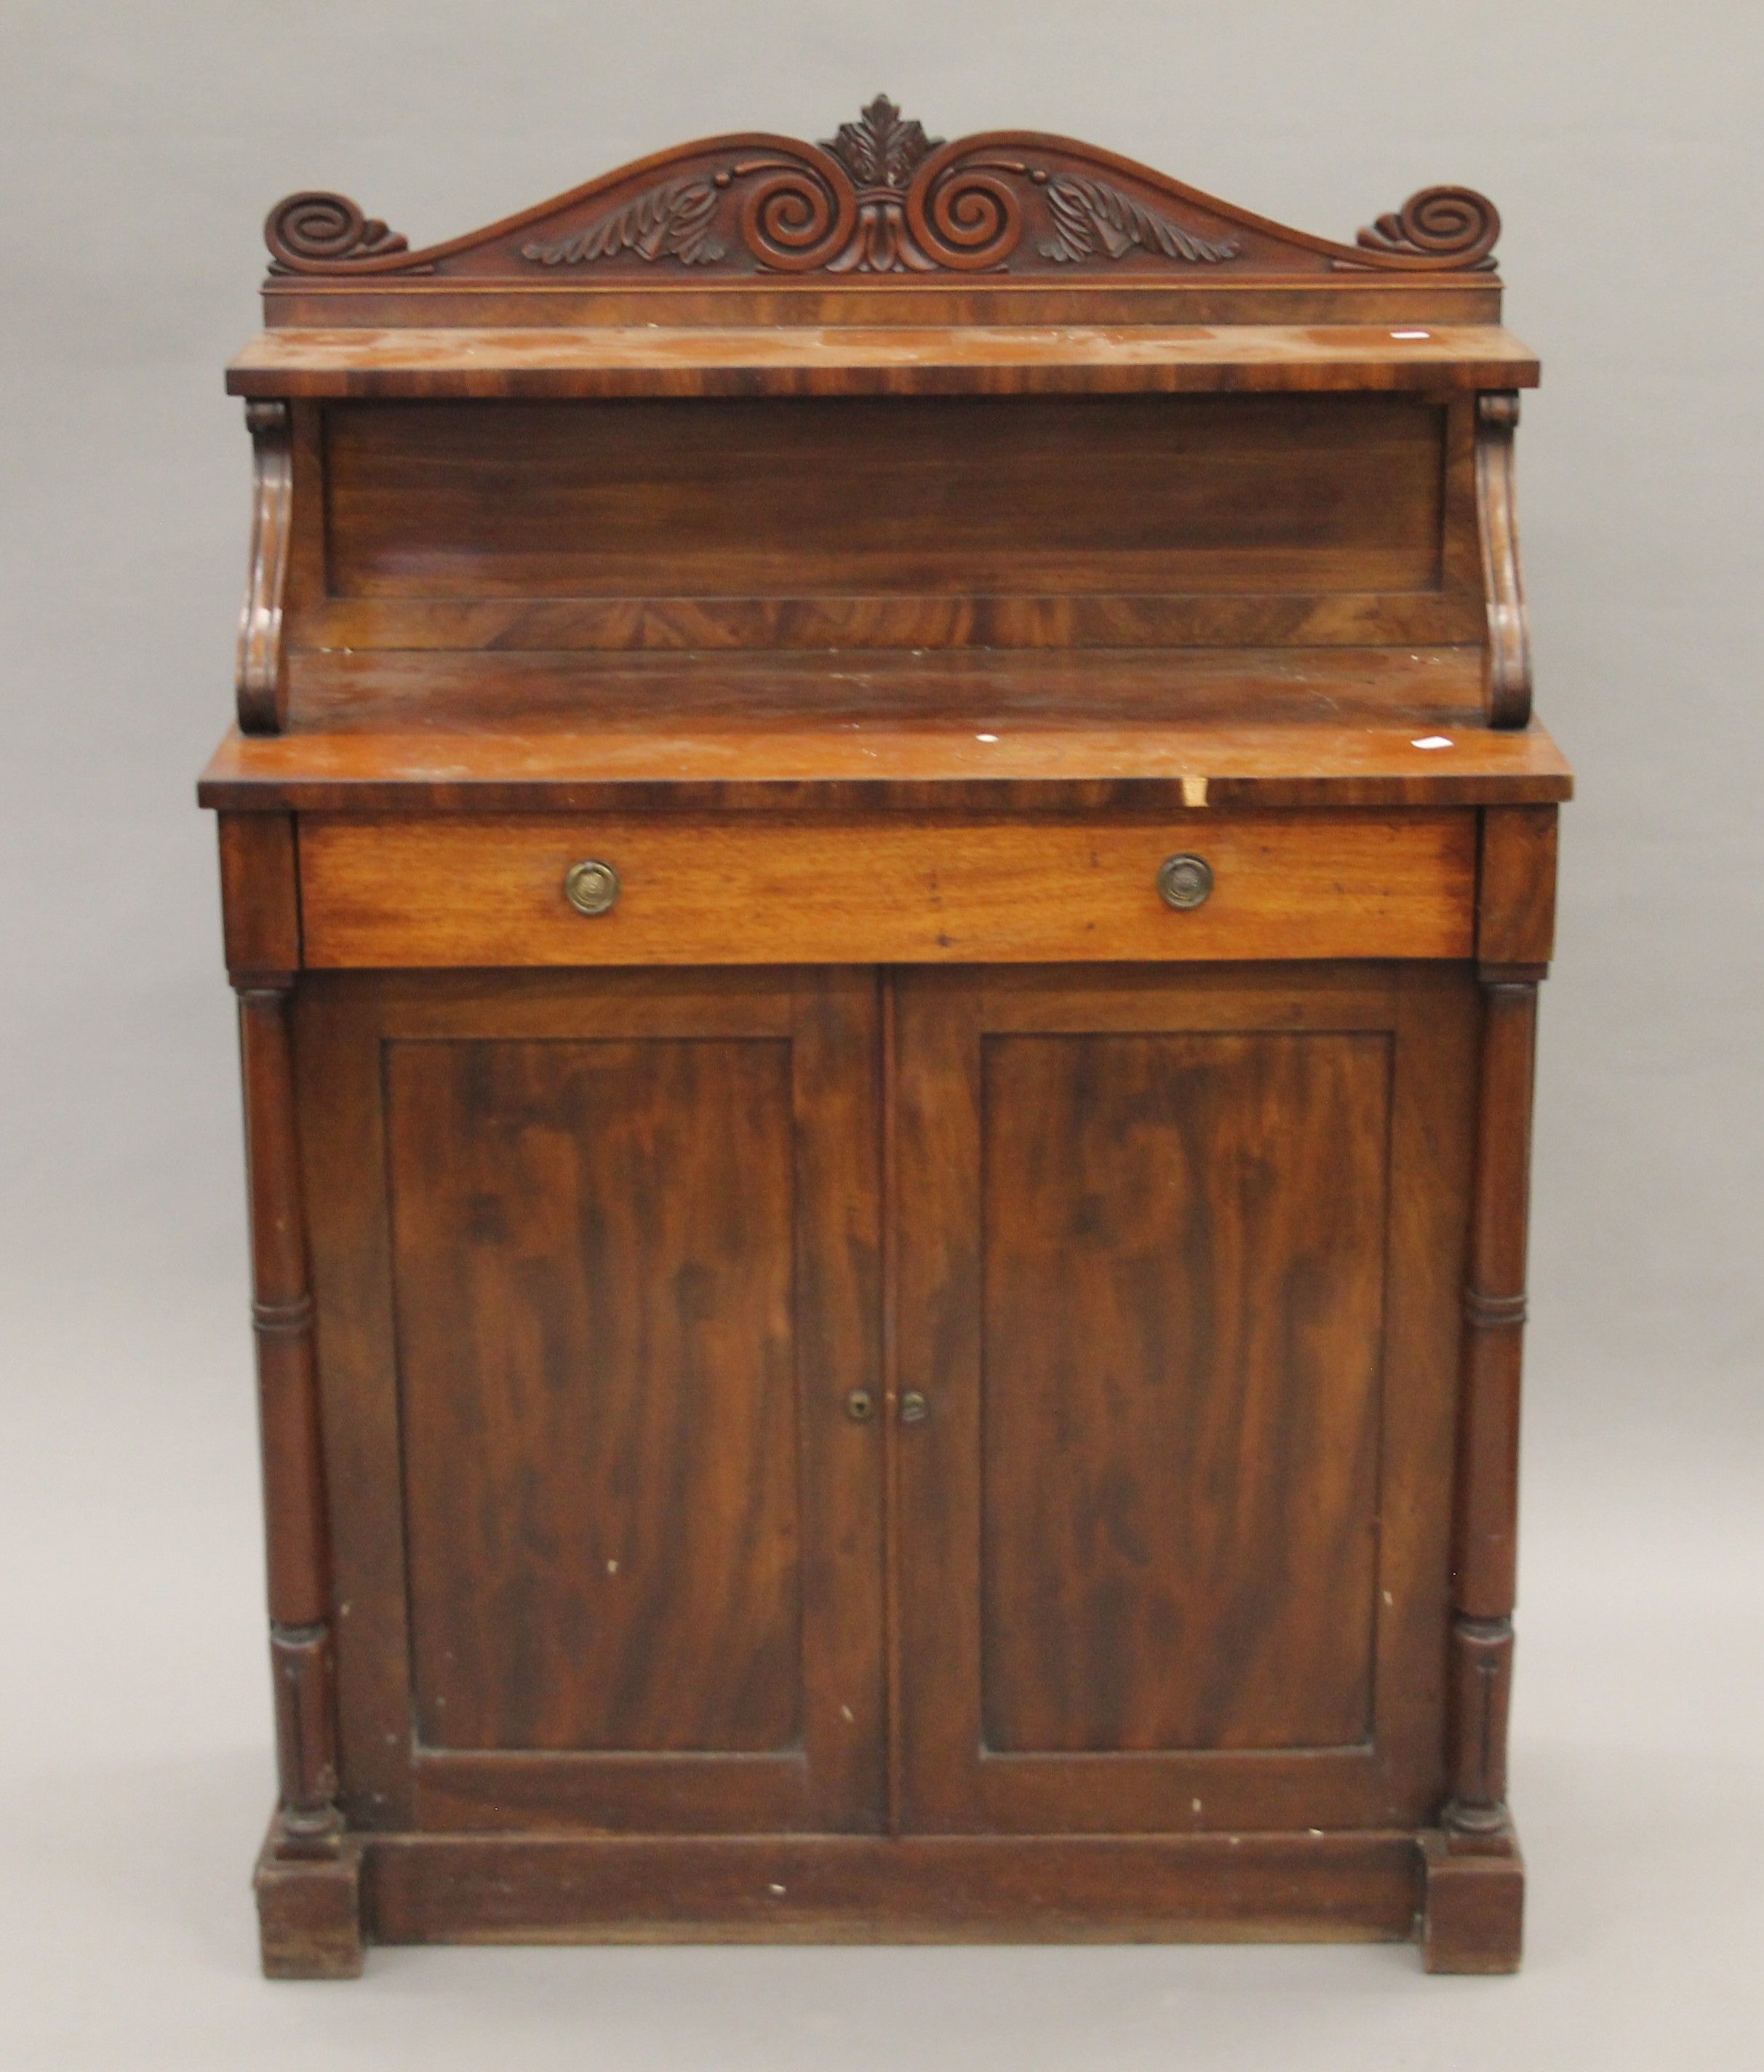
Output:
x=968 y=730
x=651 y=359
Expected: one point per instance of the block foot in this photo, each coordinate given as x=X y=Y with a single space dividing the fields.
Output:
x=309 y=1909
x=1473 y=1903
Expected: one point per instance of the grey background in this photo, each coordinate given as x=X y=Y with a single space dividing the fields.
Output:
x=143 y=144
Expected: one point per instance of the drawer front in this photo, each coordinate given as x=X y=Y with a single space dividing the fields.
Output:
x=737 y=889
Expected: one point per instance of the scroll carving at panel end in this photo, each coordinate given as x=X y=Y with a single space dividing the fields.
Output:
x=313 y=232
x=1439 y=227
x=1508 y=663
x=881 y=197
x=261 y=678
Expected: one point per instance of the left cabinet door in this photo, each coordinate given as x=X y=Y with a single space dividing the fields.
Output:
x=595 y=1258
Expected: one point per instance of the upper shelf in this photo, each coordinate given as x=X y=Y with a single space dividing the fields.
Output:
x=882 y=224
x=944 y=360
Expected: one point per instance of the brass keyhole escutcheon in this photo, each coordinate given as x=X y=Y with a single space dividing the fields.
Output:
x=860 y=1406
x=914 y=1408
x=591 y=886
x=1184 y=881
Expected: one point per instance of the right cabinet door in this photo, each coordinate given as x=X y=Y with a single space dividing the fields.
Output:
x=1178 y=1263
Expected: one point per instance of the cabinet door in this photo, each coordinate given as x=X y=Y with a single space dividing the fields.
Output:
x=596 y=1267
x=1178 y=1262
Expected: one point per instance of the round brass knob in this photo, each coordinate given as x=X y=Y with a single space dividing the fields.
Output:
x=591 y=886
x=860 y=1406
x=915 y=1408
x=1184 y=881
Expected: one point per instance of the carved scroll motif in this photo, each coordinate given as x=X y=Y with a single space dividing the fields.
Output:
x=261 y=676
x=1440 y=225
x=315 y=233
x=1507 y=658
x=881 y=197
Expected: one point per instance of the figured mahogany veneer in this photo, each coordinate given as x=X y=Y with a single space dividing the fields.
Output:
x=835 y=1362
x=1051 y=360
x=1003 y=500
x=382 y=891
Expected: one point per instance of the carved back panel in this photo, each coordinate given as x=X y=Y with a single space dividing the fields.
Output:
x=753 y=226
x=810 y=484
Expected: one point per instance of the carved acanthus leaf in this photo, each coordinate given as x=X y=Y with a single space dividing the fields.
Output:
x=880 y=196
x=1088 y=213
x=672 y=221
x=879 y=149
x=890 y=202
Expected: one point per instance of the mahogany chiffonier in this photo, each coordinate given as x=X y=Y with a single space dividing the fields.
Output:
x=886 y=867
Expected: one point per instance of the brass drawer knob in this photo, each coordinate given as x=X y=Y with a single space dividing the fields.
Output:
x=860 y=1406
x=915 y=1408
x=591 y=886
x=1184 y=881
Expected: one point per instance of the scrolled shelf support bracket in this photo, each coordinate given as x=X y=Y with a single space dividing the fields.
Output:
x=1506 y=668
x=262 y=674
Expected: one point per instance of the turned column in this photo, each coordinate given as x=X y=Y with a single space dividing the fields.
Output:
x=1485 y=1536
x=294 y=1516
x=1515 y=909
x=263 y=955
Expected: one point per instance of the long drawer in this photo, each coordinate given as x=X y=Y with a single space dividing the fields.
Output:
x=666 y=889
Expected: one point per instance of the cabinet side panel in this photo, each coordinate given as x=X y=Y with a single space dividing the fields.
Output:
x=1184 y=1289
x=593 y=1253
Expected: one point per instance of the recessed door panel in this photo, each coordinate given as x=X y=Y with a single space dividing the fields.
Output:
x=1180 y=1258
x=592 y=1254
x=596 y=1263
x=1183 y=1253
